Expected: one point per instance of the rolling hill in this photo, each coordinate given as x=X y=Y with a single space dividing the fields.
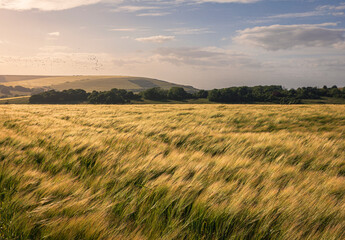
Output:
x=88 y=83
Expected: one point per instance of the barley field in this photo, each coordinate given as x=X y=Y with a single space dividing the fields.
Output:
x=172 y=172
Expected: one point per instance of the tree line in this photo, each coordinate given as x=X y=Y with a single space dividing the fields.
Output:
x=114 y=96
x=274 y=94
x=257 y=94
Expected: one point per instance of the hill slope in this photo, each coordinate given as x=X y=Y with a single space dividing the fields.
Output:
x=88 y=83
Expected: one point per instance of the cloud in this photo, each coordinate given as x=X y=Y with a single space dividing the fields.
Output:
x=44 y=5
x=153 y=14
x=156 y=39
x=280 y=37
x=134 y=8
x=145 y=11
x=335 y=10
x=229 y=1
x=54 y=34
x=205 y=57
x=189 y=31
x=339 y=7
x=57 y=5
x=329 y=63
x=123 y=29
x=297 y=15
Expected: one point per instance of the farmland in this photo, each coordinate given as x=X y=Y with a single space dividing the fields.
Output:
x=172 y=171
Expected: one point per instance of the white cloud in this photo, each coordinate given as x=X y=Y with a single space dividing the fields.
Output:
x=134 y=8
x=54 y=34
x=278 y=37
x=57 y=5
x=205 y=57
x=123 y=29
x=156 y=39
x=335 y=10
x=297 y=15
x=153 y=14
x=142 y=10
x=333 y=7
x=328 y=63
x=189 y=31
x=228 y=1
x=44 y=5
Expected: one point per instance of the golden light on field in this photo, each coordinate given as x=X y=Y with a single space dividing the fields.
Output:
x=172 y=172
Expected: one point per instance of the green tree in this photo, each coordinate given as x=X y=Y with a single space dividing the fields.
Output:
x=177 y=93
x=156 y=93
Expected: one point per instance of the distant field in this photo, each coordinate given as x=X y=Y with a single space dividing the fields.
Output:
x=324 y=100
x=88 y=83
x=172 y=172
x=16 y=78
x=15 y=100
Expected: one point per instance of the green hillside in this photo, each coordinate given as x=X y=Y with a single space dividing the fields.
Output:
x=88 y=83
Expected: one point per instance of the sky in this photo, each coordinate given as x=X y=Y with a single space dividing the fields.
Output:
x=204 y=43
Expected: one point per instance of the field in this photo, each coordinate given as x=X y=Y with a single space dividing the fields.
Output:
x=172 y=172
x=15 y=100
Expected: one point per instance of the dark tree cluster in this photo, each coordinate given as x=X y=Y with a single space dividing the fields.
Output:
x=155 y=93
x=200 y=94
x=158 y=94
x=257 y=94
x=114 y=96
x=56 y=97
x=274 y=94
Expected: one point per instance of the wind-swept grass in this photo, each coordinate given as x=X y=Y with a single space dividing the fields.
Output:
x=172 y=172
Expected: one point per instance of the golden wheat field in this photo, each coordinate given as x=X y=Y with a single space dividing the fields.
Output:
x=172 y=172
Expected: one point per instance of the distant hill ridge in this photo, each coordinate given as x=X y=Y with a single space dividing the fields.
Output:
x=88 y=83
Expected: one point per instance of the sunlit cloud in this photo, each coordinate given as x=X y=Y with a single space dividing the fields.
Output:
x=335 y=10
x=57 y=5
x=341 y=6
x=297 y=15
x=153 y=14
x=280 y=37
x=229 y=1
x=44 y=5
x=123 y=29
x=170 y=39
x=156 y=39
x=54 y=34
x=134 y=8
x=189 y=31
x=205 y=57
